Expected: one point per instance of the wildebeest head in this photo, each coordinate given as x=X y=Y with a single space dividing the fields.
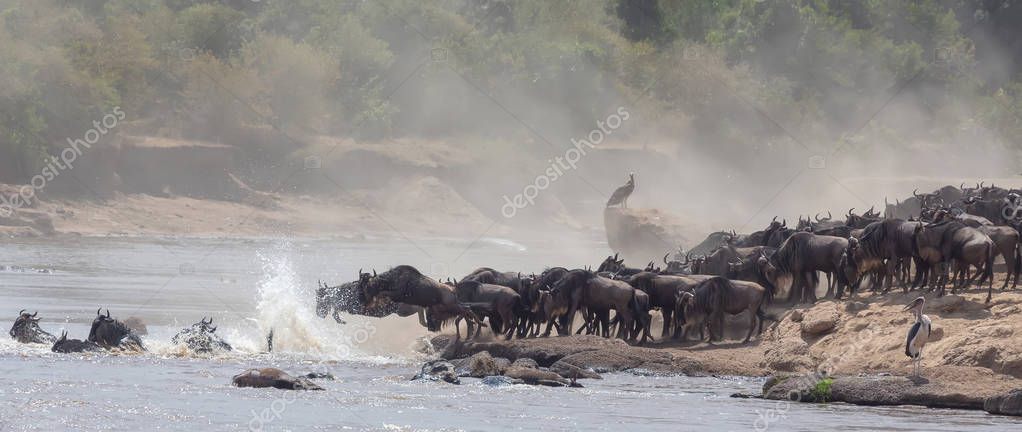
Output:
x=366 y=284
x=26 y=329
x=611 y=264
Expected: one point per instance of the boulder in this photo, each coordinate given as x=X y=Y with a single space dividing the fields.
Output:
x=545 y=351
x=796 y=316
x=481 y=365
x=438 y=370
x=272 y=377
x=1009 y=403
x=525 y=363
x=533 y=376
x=821 y=319
x=500 y=381
x=571 y=371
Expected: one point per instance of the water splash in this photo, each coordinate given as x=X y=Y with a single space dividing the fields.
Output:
x=287 y=307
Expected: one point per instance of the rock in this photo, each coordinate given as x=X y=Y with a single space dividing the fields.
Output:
x=533 y=376
x=438 y=370
x=855 y=306
x=136 y=325
x=795 y=316
x=946 y=304
x=1009 y=403
x=545 y=351
x=936 y=334
x=788 y=358
x=272 y=377
x=525 y=363
x=973 y=392
x=500 y=381
x=571 y=371
x=481 y=365
x=441 y=342
x=320 y=375
x=820 y=319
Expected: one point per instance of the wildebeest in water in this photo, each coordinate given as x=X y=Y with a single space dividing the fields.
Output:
x=111 y=333
x=26 y=329
x=201 y=337
x=65 y=345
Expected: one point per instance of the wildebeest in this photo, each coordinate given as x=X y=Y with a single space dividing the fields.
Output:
x=612 y=264
x=941 y=243
x=201 y=337
x=26 y=329
x=108 y=333
x=65 y=345
x=348 y=298
x=405 y=284
x=662 y=291
x=596 y=293
x=883 y=246
x=503 y=303
x=801 y=256
x=714 y=297
x=1006 y=240
x=523 y=285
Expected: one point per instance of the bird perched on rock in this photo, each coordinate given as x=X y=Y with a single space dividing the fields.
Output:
x=918 y=335
x=620 y=195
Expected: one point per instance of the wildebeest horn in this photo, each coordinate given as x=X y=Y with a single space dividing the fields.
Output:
x=21 y=312
x=108 y=313
x=981 y=185
x=870 y=211
x=615 y=256
x=774 y=219
x=665 y=258
x=99 y=310
x=850 y=211
x=784 y=223
x=817 y=217
x=213 y=330
x=360 y=272
x=374 y=272
x=962 y=186
x=915 y=192
x=36 y=313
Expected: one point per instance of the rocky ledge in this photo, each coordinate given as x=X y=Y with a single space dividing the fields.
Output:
x=951 y=387
x=569 y=357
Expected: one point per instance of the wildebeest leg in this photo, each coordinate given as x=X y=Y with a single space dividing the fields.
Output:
x=422 y=318
x=667 y=314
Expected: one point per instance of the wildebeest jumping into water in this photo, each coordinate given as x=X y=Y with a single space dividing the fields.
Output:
x=348 y=298
x=111 y=333
x=26 y=329
x=405 y=284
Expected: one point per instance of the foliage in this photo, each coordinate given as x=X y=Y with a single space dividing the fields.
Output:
x=735 y=74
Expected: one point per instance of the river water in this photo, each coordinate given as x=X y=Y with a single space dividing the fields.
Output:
x=252 y=286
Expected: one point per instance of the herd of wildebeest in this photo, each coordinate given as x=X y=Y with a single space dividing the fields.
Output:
x=950 y=236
